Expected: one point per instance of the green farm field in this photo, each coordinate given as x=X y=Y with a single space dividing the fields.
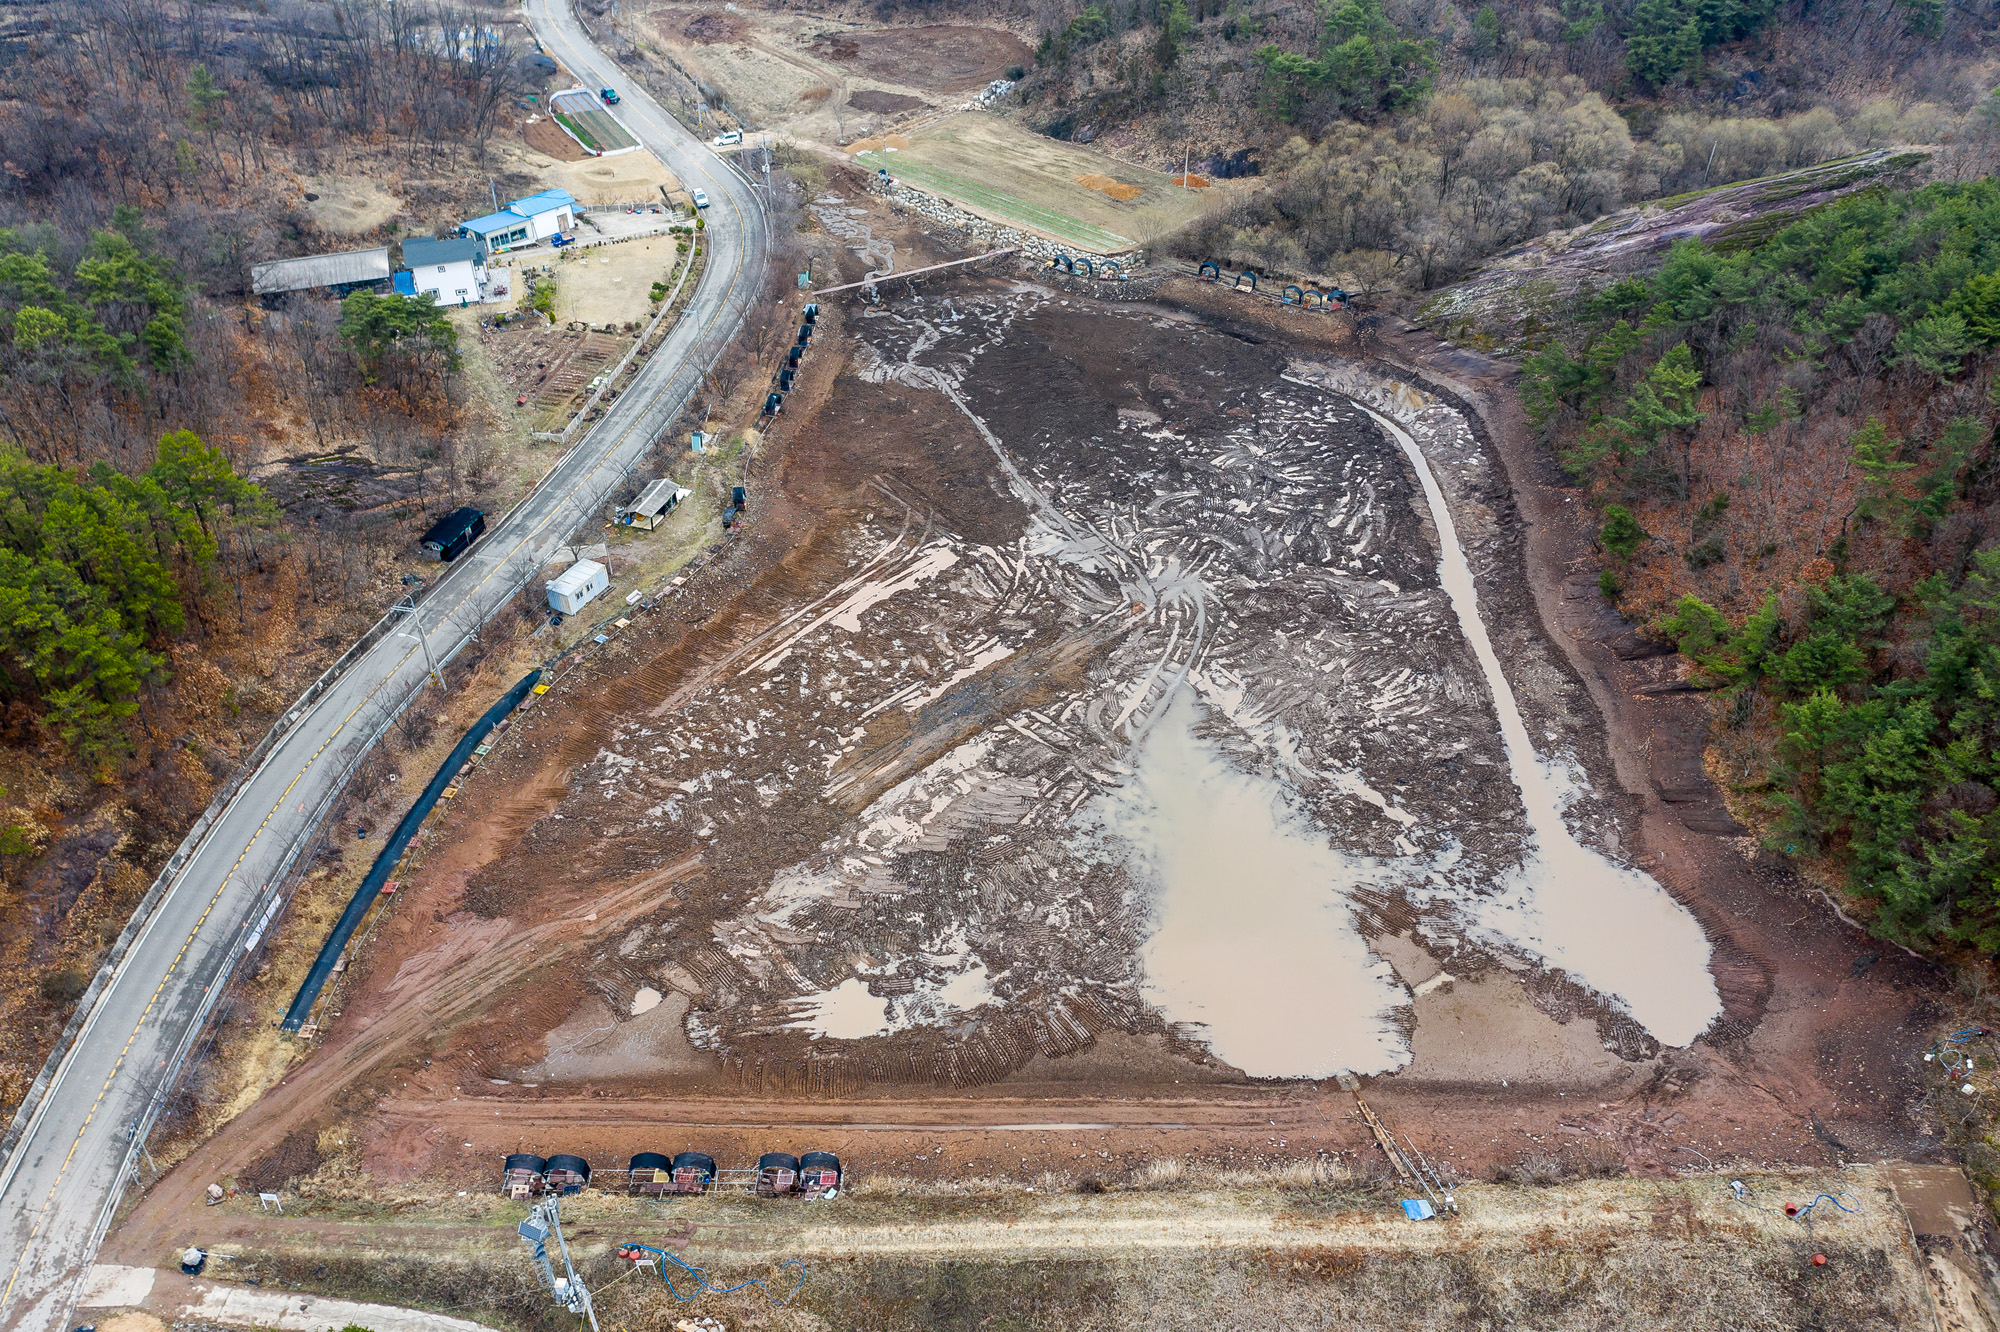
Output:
x=1005 y=173
x=580 y=113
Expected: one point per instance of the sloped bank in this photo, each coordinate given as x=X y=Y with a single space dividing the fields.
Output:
x=1791 y=973
x=1518 y=298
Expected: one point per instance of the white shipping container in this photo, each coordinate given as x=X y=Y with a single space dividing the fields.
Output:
x=577 y=586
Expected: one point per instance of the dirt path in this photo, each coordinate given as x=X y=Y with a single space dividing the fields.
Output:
x=1226 y=1251
x=454 y=992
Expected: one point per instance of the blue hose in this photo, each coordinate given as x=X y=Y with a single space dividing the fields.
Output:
x=703 y=1286
x=1806 y=1211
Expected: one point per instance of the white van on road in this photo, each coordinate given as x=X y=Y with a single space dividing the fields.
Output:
x=700 y=199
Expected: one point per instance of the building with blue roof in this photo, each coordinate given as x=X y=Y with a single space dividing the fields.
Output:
x=525 y=221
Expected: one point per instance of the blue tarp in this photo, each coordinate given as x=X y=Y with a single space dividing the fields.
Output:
x=379 y=872
x=406 y=283
x=1417 y=1209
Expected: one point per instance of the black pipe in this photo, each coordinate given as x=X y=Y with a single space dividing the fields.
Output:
x=379 y=872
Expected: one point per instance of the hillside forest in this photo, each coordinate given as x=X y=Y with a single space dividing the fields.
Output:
x=1402 y=141
x=1796 y=453
x=207 y=497
x=1790 y=444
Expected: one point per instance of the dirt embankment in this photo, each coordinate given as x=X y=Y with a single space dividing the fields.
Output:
x=1538 y=285
x=1796 y=965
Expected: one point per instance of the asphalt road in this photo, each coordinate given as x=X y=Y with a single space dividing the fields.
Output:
x=61 y=1185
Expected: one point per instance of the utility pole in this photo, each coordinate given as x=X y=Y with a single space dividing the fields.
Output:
x=569 y=1291
x=408 y=606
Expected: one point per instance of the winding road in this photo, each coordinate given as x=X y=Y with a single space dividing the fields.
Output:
x=67 y=1173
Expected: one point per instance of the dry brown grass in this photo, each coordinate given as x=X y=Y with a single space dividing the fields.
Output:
x=814 y=96
x=1241 y=1251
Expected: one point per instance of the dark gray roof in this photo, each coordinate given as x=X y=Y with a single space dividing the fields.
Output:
x=320 y=270
x=417 y=253
x=655 y=498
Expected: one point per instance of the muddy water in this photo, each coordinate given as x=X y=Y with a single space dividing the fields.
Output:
x=846 y=1012
x=1611 y=928
x=1254 y=944
x=1168 y=747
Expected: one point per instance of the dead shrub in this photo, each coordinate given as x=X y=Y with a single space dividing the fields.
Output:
x=1538 y=1168
x=1598 y=1158
x=816 y=95
x=65 y=986
x=297 y=1156
x=1165 y=1173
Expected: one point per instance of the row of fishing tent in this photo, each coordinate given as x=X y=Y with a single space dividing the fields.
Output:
x=815 y=1174
x=774 y=402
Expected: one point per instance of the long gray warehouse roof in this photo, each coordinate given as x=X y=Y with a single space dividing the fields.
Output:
x=320 y=270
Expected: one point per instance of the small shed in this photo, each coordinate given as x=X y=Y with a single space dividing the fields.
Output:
x=655 y=502
x=577 y=586
x=453 y=533
x=349 y=268
x=567 y=1174
x=522 y=1175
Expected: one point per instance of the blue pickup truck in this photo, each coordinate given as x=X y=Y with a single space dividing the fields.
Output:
x=610 y=96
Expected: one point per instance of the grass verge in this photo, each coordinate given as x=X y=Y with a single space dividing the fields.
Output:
x=1003 y=206
x=1165 y=1252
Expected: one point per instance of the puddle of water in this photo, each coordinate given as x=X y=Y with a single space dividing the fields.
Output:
x=968 y=989
x=847 y=1012
x=645 y=1001
x=1254 y=941
x=1610 y=927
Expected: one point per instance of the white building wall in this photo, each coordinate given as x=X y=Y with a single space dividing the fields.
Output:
x=453 y=282
x=544 y=225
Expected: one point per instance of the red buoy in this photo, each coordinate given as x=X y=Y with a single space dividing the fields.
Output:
x=1819 y=1260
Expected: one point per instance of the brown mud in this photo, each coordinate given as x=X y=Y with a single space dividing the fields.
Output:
x=623 y=837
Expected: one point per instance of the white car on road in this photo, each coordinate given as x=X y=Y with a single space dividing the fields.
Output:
x=726 y=138
x=700 y=199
